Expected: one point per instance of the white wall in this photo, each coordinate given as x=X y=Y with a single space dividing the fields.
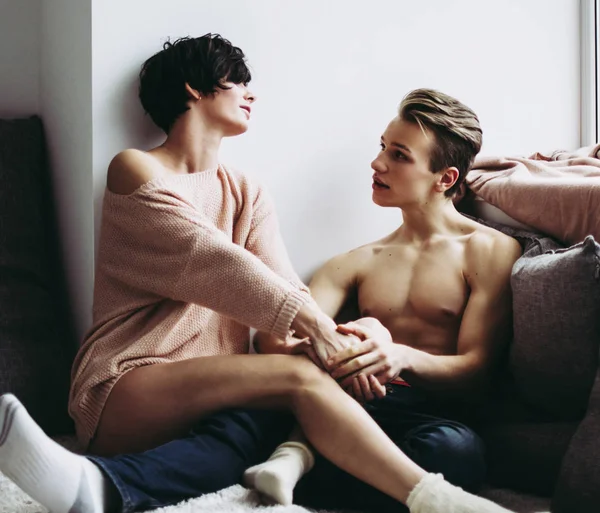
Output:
x=19 y=57
x=329 y=76
x=66 y=108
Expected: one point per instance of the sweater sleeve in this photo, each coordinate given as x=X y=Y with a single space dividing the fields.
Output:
x=169 y=249
x=266 y=243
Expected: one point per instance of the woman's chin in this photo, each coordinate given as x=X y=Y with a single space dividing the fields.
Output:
x=236 y=128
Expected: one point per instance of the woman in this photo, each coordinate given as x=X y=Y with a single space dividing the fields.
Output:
x=189 y=257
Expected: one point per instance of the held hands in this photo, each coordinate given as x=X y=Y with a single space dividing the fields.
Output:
x=363 y=388
x=376 y=356
x=340 y=351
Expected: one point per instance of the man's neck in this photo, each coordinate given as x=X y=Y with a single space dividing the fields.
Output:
x=424 y=222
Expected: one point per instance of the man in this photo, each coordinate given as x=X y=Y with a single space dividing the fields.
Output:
x=435 y=302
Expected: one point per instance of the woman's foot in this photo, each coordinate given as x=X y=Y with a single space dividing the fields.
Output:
x=60 y=480
x=434 y=494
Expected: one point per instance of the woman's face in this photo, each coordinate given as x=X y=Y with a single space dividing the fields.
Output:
x=229 y=109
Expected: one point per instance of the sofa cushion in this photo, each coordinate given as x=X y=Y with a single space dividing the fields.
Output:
x=556 y=309
x=526 y=455
x=36 y=344
x=578 y=487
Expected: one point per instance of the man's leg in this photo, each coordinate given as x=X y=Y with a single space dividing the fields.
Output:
x=213 y=456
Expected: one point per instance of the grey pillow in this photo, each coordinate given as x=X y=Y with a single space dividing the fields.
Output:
x=556 y=310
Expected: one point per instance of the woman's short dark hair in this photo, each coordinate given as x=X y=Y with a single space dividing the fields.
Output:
x=205 y=63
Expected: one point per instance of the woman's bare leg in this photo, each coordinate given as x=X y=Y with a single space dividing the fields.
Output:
x=170 y=398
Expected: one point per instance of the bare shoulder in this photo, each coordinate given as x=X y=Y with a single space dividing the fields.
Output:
x=490 y=255
x=130 y=169
x=344 y=267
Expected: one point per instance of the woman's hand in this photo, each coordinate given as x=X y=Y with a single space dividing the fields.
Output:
x=376 y=355
x=304 y=346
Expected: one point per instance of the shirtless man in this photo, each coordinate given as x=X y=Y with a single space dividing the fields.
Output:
x=435 y=302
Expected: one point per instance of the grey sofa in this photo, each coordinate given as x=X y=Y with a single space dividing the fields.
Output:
x=542 y=423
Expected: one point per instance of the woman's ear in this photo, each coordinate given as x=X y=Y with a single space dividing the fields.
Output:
x=192 y=93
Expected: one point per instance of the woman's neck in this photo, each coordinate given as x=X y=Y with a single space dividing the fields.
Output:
x=190 y=147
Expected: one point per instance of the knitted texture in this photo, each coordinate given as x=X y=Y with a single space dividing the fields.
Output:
x=185 y=265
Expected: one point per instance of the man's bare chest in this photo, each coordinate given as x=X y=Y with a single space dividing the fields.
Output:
x=402 y=283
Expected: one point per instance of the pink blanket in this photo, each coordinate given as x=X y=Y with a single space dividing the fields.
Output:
x=557 y=194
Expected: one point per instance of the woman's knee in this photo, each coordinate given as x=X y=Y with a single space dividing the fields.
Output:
x=306 y=379
x=451 y=449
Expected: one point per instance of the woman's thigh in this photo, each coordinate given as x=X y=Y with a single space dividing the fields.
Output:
x=151 y=405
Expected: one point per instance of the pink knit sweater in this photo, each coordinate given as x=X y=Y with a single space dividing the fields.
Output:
x=185 y=265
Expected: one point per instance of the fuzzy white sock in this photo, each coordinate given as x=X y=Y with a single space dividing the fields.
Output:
x=277 y=477
x=60 y=480
x=433 y=494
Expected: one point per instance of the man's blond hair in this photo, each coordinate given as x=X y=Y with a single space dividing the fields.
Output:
x=455 y=127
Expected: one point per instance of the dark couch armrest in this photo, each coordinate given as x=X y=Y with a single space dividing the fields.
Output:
x=578 y=487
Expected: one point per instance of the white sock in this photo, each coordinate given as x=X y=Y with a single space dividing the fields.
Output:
x=277 y=477
x=60 y=480
x=433 y=494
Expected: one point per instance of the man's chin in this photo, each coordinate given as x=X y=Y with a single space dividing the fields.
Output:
x=381 y=203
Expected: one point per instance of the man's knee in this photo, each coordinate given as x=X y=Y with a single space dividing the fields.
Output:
x=451 y=449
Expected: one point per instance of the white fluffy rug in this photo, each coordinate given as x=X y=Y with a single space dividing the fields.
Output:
x=237 y=499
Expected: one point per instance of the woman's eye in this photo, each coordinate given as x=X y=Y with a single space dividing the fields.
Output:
x=398 y=155
x=382 y=146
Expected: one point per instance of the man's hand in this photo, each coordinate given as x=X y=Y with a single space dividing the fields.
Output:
x=366 y=388
x=377 y=355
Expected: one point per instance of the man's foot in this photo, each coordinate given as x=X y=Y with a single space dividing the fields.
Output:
x=277 y=477
x=60 y=480
x=434 y=494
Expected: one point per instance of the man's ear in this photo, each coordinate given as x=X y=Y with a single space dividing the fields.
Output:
x=192 y=93
x=447 y=178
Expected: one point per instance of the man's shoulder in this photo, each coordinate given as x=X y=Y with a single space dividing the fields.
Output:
x=130 y=169
x=489 y=251
x=347 y=265
x=485 y=239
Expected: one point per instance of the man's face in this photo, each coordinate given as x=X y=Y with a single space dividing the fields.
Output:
x=402 y=175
